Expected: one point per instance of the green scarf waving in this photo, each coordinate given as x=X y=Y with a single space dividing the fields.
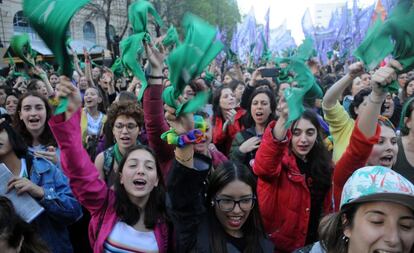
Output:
x=50 y=19
x=307 y=88
x=395 y=36
x=132 y=47
x=20 y=44
x=189 y=60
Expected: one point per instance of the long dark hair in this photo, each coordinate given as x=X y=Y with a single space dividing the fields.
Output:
x=17 y=143
x=155 y=208
x=252 y=229
x=13 y=229
x=248 y=119
x=332 y=226
x=216 y=102
x=318 y=157
x=46 y=138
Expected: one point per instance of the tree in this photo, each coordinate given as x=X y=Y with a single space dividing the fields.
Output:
x=107 y=10
x=222 y=13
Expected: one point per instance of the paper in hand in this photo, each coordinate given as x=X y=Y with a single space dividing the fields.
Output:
x=25 y=205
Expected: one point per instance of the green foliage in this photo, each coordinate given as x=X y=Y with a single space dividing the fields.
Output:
x=222 y=13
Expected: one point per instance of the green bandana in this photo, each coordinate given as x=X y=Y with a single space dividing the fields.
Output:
x=117 y=154
x=307 y=87
x=189 y=60
x=118 y=68
x=50 y=19
x=138 y=15
x=132 y=49
x=171 y=37
x=395 y=36
x=20 y=44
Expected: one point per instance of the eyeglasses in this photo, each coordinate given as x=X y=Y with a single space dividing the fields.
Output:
x=227 y=205
x=130 y=126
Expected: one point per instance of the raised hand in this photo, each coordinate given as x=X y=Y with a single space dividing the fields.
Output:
x=155 y=58
x=66 y=89
x=250 y=144
x=384 y=76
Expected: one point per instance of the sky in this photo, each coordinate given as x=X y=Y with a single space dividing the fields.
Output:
x=289 y=10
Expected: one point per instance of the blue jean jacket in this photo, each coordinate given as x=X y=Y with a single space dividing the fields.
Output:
x=61 y=207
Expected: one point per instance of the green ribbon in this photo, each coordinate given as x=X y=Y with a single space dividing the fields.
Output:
x=117 y=154
x=171 y=38
x=50 y=19
x=188 y=60
x=20 y=44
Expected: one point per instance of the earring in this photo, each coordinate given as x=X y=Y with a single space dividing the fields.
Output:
x=212 y=203
x=345 y=239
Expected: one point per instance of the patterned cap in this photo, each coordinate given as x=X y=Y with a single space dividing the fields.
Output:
x=377 y=183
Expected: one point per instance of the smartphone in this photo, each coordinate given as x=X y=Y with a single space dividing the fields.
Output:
x=269 y=72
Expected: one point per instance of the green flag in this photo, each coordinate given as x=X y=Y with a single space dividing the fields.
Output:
x=307 y=88
x=171 y=38
x=20 y=44
x=131 y=52
x=189 y=60
x=50 y=19
x=138 y=15
x=118 y=68
x=395 y=36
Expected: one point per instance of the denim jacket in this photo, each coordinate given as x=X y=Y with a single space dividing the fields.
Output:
x=61 y=207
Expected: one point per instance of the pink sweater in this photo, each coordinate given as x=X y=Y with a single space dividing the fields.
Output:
x=89 y=190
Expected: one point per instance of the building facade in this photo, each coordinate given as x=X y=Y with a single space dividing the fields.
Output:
x=87 y=25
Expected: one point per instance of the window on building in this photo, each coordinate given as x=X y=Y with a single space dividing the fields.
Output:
x=89 y=32
x=21 y=23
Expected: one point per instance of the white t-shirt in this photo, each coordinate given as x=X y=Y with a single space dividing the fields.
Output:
x=125 y=239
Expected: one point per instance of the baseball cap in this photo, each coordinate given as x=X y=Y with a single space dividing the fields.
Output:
x=377 y=183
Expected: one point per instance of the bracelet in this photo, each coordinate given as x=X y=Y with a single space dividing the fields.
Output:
x=374 y=102
x=155 y=77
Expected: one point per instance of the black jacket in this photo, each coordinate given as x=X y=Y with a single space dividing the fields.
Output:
x=186 y=208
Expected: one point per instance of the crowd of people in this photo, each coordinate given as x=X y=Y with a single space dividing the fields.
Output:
x=337 y=179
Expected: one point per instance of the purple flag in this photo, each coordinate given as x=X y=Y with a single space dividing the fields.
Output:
x=267 y=26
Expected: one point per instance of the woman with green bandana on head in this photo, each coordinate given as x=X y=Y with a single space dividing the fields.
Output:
x=126 y=121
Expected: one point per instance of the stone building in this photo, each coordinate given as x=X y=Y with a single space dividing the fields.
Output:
x=85 y=26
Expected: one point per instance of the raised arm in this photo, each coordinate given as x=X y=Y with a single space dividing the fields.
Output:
x=185 y=185
x=275 y=142
x=369 y=115
x=335 y=91
x=84 y=180
x=155 y=123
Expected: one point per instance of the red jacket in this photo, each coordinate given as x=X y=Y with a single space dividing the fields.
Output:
x=355 y=156
x=223 y=140
x=283 y=195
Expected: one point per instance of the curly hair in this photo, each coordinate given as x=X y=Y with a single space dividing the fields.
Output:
x=121 y=108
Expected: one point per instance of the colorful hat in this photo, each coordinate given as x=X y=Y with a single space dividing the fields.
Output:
x=377 y=183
